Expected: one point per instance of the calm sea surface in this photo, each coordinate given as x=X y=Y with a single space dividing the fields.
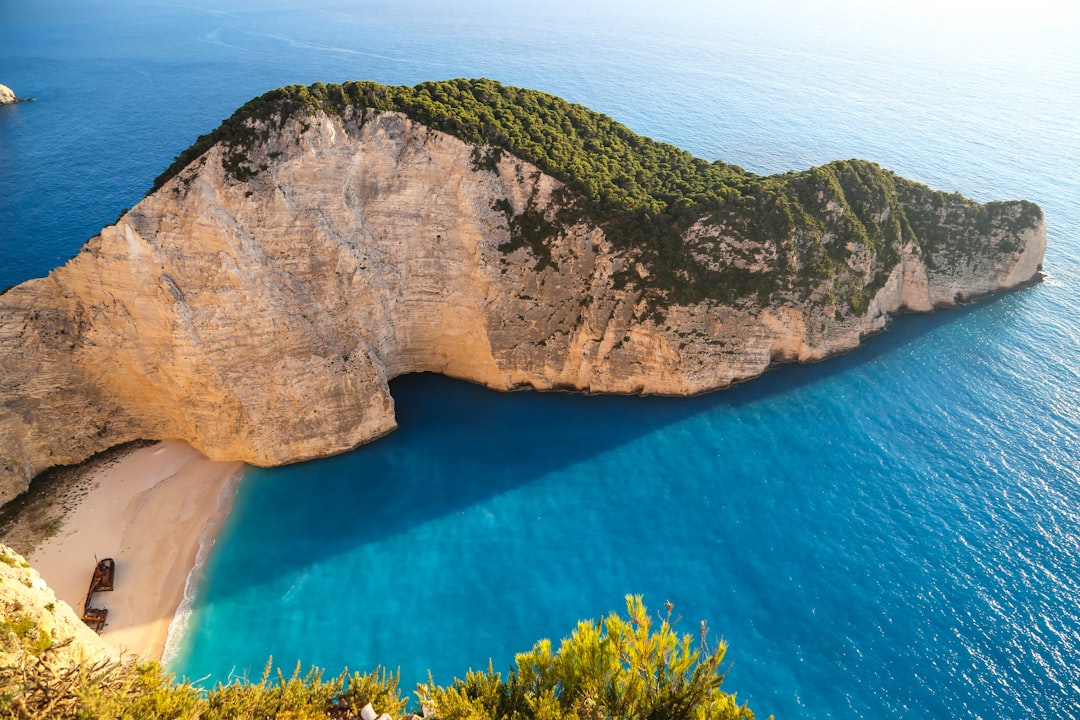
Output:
x=891 y=534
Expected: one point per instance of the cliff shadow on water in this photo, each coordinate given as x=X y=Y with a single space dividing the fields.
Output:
x=460 y=445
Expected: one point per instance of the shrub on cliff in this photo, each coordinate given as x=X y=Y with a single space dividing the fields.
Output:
x=634 y=667
x=615 y=668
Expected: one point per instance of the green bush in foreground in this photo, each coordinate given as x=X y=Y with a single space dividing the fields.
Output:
x=633 y=668
x=616 y=668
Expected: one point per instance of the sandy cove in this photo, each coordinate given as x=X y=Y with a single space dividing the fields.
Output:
x=149 y=512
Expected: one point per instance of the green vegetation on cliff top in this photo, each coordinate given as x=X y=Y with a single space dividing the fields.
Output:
x=647 y=194
x=621 y=668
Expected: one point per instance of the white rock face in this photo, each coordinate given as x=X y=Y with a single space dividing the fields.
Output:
x=7 y=96
x=260 y=321
x=43 y=623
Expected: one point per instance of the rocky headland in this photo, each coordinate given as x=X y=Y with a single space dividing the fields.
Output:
x=7 y=96
x=324 y=240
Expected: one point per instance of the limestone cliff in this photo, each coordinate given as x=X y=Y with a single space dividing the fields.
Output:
x=257 y=303
x=33 y=622
x=7 y=96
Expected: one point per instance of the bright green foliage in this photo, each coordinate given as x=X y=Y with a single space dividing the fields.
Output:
x=142 y=692
x=125 y=693
x=811 y=225
x=379 y=688
x=633 y=667
x=29 y=636
x=613 y=168
x=297 y=697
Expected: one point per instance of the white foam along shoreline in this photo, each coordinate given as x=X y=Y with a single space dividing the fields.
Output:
x=156 y=511
x=179 y=625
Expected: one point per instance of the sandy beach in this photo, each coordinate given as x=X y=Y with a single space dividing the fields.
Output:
x=149 y=511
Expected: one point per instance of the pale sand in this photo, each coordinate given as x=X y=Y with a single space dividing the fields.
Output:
x=149 y=512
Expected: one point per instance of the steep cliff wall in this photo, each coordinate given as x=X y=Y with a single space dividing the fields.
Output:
x=257 y=310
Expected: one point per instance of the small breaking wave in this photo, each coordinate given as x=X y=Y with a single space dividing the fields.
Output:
x=178 y=627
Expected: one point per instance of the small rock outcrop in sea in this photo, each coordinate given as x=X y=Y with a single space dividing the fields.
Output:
x=324 y=240
x=7 y=96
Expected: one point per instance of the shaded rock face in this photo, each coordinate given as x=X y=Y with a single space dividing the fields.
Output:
x=261 y=320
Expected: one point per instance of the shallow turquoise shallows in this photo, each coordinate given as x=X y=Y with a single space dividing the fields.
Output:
x=890 y=534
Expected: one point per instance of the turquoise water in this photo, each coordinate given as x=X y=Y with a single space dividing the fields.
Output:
x=893 y=533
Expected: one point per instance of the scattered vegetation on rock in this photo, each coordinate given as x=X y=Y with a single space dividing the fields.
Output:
x=841 y=225
x=34 y=626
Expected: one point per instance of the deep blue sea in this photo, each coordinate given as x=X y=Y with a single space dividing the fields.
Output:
x=890 y=534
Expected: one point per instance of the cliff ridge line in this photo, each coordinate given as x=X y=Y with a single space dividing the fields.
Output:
x=257 y=303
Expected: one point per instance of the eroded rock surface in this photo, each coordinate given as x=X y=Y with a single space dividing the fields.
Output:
x=34 y=623
x=260 y=320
